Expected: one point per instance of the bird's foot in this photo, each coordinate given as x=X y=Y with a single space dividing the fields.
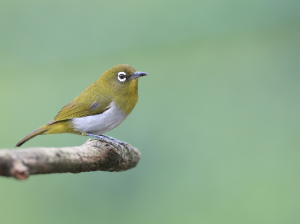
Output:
x=111 y=139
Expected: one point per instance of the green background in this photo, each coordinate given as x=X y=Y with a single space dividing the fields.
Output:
x=217 y=120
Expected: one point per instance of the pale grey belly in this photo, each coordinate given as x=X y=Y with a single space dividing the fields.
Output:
x=100 y=123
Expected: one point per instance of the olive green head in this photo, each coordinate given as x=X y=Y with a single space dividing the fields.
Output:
x=119 y=84
x=121 y=78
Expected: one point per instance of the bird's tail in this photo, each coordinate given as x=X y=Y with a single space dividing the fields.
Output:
x=38 y=131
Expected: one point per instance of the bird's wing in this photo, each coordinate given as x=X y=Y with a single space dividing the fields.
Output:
x=79 y=108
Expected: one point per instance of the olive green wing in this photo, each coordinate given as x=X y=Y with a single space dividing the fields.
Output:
x=82 y=108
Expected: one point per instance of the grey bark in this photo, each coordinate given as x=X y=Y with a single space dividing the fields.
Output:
x=93 y=155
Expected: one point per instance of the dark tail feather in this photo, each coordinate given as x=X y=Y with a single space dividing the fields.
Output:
x=38 y=131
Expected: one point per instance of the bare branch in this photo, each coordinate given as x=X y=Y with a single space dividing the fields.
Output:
x=93 y=155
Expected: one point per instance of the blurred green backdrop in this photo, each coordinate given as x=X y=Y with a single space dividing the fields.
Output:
x=217 y=120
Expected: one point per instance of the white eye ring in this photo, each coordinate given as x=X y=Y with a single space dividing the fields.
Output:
x=122 y=76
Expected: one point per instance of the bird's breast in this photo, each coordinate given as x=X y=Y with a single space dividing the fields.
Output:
x=99 y=123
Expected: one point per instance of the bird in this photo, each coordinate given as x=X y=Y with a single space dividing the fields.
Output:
x=101 y=107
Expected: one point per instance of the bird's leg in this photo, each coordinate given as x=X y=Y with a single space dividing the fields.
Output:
x=116 y=141
x=96 y=136
x=104 y=137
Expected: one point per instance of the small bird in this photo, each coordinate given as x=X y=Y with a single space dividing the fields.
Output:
x=99 y=108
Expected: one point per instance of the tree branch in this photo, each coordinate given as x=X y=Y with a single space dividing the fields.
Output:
x=93 y=155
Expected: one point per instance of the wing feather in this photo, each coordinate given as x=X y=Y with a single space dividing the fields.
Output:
x=85 y=104
x=77 y=108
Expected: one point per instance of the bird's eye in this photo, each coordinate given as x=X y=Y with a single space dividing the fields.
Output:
x=122 y=76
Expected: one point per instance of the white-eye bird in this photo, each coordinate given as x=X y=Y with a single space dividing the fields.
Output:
x=99 y=108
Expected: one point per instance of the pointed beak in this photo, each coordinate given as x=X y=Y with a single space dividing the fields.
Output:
x=138 y=74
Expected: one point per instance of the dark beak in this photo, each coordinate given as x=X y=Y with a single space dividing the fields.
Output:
x=138 y=74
